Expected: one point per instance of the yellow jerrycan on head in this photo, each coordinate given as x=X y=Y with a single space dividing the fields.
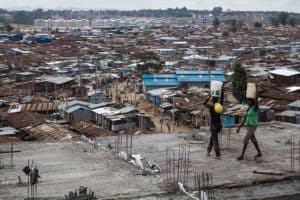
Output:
x=218 y=108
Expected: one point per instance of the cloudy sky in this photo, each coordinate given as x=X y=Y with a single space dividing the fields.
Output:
x=286 y=5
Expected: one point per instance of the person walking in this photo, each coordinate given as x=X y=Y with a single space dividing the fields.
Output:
x=215 y=123
x=161 y=121
x=169 y=125
x=251 y=120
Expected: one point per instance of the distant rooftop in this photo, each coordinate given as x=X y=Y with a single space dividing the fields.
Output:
x=285 y=72
x=59 y=79
x=295 y=104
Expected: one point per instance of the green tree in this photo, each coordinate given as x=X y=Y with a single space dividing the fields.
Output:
x=151 y=62
x=148 y=68
x=9 y=27
x=216 y=22
x=240 y=24
x=225 y=34
x=233 y=25
x=145 y=56
x=257 y=24
x=283 y=18
x=292 y=21
x=239 y=82
x=274 y=21
x=262 y=52
x=2 y=20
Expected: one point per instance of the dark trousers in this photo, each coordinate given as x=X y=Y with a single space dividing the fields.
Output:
x=214 y=142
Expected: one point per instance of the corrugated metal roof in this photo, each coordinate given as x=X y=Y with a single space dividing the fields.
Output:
x=59 y=80
x=201 y=78
x=289 y=113
x=45 y=132
x=164 y=82
x=159 y=76
x=90 y=130
x=200 y=72
x=7 y=131
x=37 y=107
x=182 y=76
x=74 y=108
x=295 y=104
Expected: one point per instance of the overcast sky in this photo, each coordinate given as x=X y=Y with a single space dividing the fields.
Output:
x=286 y=5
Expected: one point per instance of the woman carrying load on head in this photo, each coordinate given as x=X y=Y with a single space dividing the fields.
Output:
x=215 y=110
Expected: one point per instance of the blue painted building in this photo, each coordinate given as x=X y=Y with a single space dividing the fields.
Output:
x=155 y=81
x=199 y=78
x=182 y=78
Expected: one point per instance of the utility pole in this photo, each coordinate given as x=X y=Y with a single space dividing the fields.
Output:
x=96 y=77
x=173 y=114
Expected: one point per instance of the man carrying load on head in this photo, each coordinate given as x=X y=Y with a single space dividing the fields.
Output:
x=215 y=110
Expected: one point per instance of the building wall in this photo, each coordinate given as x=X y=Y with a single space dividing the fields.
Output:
x=286 y=119
x=79 y=115
x=294 y=108
x=50 y=87
x=61 y=23
x=286 y=80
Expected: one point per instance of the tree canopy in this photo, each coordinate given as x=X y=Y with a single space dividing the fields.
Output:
x=151 y=62
x=283 y=18
x=216 y=22
x=257 y=24
x=225 y=34
x=292 y=21
x=239 y=82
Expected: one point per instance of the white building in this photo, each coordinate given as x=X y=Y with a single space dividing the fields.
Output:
x=61 y=23
x=295 y=47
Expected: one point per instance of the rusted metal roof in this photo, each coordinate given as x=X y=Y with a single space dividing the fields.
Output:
x=24 y=119
x=89 y=129
x=189 y=103
x=44 y=132
x=4 y=92
x=276 y=105
x=38 y=107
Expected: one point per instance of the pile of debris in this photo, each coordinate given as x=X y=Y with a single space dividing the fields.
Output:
x=82 y=194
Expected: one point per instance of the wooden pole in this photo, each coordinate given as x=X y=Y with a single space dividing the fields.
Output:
x=28 y=180
x=173 y=115
x=11 y=154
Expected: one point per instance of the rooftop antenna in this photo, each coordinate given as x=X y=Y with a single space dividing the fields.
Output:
x=96 y=76
x=80 y=75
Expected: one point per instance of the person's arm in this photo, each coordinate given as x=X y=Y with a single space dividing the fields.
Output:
x=206 y=102
x=222 y=95
x=243 y=122
x=241 y=125
x=256 y=106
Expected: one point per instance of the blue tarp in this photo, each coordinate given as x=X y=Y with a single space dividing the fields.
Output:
x=12 y=37
x=43 y=38
x=228 y=120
